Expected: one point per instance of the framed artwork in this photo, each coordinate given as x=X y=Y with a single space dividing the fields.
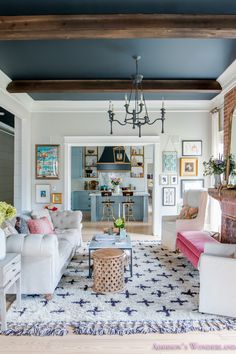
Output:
x=169 y=161
x=187 y=184
x=47 y=161
x=173 y=179
x=57 y=198
x=192 y=147
x=168 y=196
x=164 y=179
x=188 y=166
x=42 y=193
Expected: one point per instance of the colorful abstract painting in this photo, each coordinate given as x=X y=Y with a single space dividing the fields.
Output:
x=47 y=161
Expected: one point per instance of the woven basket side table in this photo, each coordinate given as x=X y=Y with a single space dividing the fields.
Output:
x=108 y=270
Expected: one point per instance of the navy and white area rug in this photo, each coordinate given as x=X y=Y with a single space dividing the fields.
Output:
x=161 y=297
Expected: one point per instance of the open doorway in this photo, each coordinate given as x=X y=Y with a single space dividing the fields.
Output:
x=82 y=141
x=70 y=141
x=95 y=170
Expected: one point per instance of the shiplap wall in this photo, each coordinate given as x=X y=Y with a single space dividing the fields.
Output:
x=6 y=167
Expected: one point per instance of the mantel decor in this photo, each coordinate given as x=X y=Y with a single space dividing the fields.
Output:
x=47 y=161
x=218 y=166
x=133 y=115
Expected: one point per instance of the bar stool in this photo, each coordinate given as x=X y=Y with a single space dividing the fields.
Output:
x=128 y=206
x=107 y=210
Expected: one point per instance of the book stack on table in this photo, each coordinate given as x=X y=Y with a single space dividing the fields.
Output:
x=108 y=239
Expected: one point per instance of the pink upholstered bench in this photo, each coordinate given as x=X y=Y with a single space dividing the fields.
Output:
x=191 y=244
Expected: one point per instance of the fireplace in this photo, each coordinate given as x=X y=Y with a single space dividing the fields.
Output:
x=227 y=200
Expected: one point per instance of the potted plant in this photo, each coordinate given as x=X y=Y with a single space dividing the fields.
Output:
x=119 y=224
x=7 y=211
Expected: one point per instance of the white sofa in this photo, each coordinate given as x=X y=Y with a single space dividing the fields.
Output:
x=171 y=225
x=217 y=267
x=45 y=257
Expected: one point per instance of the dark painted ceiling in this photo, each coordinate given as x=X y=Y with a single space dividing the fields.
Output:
x=43 y=7
x=91 y=59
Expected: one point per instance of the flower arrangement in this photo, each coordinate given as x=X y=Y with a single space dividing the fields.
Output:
x=119 y=223
x=215 y=166
x=7 y=211
x=116 y=181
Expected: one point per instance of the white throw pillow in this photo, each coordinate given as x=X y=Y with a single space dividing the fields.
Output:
x=38 y=214
x=8 y=229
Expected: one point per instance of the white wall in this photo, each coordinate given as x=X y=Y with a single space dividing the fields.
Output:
x=51 y=127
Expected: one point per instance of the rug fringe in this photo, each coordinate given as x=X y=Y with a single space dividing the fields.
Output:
x=36 y=329
x=143 y=327
x=118 y=328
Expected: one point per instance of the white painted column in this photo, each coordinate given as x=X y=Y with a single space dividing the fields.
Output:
x=156 y=191
x=67 y=176
x=26 y=170
x=17 y=165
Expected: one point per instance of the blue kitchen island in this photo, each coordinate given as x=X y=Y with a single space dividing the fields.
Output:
x=140 y=205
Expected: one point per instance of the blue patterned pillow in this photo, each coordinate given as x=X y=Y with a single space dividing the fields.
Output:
x=21 y=225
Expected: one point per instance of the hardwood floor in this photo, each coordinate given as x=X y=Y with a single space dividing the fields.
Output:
x=134 y=344
x=137 y=230
x=141 y=343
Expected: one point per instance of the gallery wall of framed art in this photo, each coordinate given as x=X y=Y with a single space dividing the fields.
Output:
x=182 y=169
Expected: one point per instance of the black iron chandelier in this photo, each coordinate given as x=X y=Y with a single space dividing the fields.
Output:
x=138 y=116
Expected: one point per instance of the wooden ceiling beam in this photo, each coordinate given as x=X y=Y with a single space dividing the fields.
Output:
x=116 y=26
x=31 y=86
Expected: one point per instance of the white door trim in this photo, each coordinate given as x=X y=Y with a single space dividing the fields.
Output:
x=70 y=141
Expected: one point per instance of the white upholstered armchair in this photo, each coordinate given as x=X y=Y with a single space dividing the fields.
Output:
x=171 y=225
x=217 y=268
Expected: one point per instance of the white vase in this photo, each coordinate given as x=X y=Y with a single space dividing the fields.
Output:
x=117 y=189
x=2 y=244
x=217 y=181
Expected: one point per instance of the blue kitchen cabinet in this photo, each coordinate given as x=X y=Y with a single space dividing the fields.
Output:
x=76 y=162
x=140 y=207
x=81 y=200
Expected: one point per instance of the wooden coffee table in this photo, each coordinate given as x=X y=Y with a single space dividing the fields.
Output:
x=111 y=241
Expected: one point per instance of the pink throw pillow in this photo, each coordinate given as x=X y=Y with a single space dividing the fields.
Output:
x=40 y=226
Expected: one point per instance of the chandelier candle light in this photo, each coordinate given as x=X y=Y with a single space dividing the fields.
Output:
x=133 y=116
